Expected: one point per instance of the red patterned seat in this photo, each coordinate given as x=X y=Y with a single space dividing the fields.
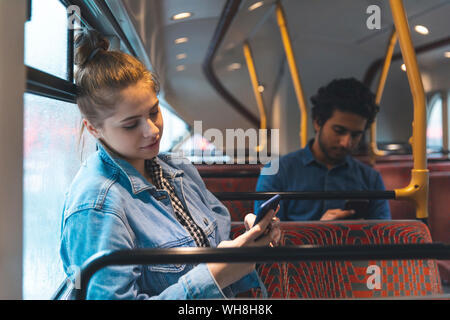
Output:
x=348 y=279
x=397 y=175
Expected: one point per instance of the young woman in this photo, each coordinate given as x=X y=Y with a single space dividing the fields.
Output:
x=128 y=196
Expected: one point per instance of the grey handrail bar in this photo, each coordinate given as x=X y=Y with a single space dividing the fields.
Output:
x=258 y=255
x=228 y=13
x=235 y=174
x=306 y=195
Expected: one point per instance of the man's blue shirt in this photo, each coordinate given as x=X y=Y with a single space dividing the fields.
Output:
x=300 y=171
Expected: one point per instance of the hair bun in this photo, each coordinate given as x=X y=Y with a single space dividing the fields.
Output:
x=87 y=43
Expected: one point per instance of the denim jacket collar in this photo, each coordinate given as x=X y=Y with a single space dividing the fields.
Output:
x=137 y=181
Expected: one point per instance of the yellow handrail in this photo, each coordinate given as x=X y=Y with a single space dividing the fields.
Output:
x=375 y=152
x=259 y=100
x=295 y=75
x=417 y=190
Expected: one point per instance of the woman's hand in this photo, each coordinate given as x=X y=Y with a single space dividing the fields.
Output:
x=266 y=232
x=273 y=228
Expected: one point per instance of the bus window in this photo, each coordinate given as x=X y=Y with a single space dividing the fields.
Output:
x=51 y=153
x=51 y=160
x=434 y=125
x=46 y=38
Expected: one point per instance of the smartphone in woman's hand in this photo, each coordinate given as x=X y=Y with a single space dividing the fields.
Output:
x=270 y=204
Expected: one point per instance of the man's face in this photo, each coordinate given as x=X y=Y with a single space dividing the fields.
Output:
x=339 y=135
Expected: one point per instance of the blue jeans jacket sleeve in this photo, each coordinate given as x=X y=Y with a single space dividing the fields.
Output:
x=88 y=232
x=248 y=282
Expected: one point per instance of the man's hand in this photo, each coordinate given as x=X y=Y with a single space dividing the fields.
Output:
x=336 y=214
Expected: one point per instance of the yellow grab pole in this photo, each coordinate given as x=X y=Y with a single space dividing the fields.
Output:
x=380 y=88
x=417 y=190
x=255 y=84
x=294 y=74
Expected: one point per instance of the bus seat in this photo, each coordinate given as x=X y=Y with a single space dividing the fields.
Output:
x=439 y=166
x=396 y=176
x=439 y=215
x=347 y=279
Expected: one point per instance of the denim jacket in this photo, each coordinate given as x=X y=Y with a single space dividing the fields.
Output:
x=111 y=206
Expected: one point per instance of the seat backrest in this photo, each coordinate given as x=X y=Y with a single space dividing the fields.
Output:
x=349 y=279
x=397 y=175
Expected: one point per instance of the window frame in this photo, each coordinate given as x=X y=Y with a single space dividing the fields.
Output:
x=45 y=84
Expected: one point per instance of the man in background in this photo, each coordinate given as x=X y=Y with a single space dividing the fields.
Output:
x=341 y=113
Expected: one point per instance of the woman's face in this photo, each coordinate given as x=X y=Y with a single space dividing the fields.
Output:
x=134 y=131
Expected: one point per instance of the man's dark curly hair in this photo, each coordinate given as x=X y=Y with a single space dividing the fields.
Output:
x=346 y=95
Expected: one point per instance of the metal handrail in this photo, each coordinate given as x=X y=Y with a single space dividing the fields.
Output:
x=417 y=190
x=257 y=255
x=377 y=64
x=306 y=195
x=375 y=152
x=258 y=96
x=236 y=174
x=295 y=75
x=229 y=11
